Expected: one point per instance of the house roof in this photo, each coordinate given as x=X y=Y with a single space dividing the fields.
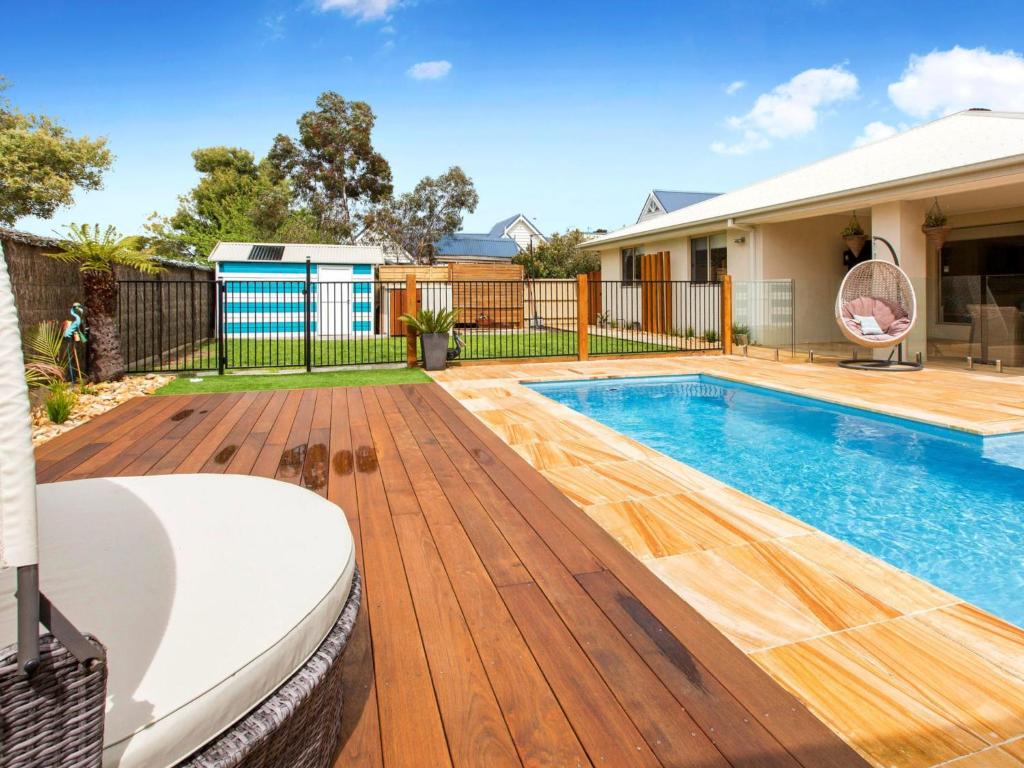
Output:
x=298 y=252
x=963 y=142
x=498 y=230
x=672 y=200
x=484 y=246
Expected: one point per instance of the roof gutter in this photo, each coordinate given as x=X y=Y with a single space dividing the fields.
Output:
x=831 y=197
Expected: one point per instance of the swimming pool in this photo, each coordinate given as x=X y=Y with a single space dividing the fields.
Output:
x=944 y=505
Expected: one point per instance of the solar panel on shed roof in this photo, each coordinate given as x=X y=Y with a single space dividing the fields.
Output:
x=266 y=253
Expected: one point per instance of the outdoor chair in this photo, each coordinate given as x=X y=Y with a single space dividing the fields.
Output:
x=876 y=308
x=225 y=604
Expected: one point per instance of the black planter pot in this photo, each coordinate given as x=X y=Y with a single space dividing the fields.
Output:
x=435 y=350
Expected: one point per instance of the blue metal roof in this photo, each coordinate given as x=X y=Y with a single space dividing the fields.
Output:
x=483 y=246
x=499 y=229
x=672 y=201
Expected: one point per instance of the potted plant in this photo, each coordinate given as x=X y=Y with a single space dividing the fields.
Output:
x=433 y=328
x=934 y=227
x=740 y=335
x=853 y=235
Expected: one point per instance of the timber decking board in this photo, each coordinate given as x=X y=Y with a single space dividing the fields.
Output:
x=500 y=625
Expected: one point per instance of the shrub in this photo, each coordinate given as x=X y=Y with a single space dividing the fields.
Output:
x=690 y=333
x=43 y=366
x=710 y=336
x=60 y=402
x=429 y=321
x=740 y=330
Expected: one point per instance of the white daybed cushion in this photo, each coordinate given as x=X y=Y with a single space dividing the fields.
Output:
x=208 y=591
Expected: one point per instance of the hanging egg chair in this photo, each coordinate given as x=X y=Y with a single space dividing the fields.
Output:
x=876 y=308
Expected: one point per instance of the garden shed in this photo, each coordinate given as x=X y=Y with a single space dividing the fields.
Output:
x=264 y=283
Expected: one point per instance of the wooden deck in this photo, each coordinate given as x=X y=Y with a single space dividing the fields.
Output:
x=501 y=626
x=911 y=676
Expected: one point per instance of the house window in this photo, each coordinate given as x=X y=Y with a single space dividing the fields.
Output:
x=708 y=258
x=631 y=265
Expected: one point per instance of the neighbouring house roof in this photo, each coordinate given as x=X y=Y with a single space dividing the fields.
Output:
x=499 y=229
x=672 y=200
x=961 y=143
x=317 y=253
x=662 y=201
x=483 y=246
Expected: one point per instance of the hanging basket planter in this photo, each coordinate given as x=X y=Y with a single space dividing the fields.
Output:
x=936 y=236
x=853 y=235
x=935 y=230
x=855 y=243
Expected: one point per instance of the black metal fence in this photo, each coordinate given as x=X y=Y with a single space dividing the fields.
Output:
x=168 y=326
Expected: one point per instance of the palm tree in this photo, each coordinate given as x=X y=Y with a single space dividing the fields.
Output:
x=96 y=254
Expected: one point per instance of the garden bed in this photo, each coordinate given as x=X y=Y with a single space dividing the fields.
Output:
x=97 y=399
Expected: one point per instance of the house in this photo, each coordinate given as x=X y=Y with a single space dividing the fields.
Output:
x=505 y=240
x=970 y=164
x=662 y=201
x=264 y=285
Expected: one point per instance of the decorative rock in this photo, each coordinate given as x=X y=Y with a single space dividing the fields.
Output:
x=107 y=395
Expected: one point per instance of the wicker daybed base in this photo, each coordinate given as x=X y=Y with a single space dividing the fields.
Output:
x=299 y=726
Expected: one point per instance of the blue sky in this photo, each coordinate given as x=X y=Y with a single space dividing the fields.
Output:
x=568 y=111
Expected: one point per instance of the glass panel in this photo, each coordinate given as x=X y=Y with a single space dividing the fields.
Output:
x=699 y=259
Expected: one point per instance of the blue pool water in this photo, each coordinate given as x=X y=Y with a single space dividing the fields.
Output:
x=943 y=505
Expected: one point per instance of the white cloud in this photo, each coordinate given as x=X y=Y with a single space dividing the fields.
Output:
x=790 y=109
x=430 y=70
x=364 y=10
x=735 y=86
x=942 y=82
x=876 y=131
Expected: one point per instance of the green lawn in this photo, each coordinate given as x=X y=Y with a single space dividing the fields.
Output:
x=283 y=353
x=232 y=383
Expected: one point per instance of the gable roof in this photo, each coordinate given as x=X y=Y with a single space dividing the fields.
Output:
x=672 y=200
x=483 y=246
x=962 y=142
x=499 y=229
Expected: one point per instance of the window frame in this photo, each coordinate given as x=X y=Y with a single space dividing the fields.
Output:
x=630 y=256
x=708 y=276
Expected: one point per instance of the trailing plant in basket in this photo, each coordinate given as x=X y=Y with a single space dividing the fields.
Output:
x=853 y=229
x=431 y=321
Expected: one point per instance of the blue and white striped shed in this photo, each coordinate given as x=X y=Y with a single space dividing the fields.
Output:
x=264 y=283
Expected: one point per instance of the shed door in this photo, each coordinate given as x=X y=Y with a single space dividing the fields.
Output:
x=334 y=300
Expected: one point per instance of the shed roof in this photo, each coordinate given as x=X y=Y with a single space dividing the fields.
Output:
x=958 y=143
x=298 y=252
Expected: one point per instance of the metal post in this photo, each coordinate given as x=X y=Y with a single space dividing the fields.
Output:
x=970 y=363
x=219 y=301
x=306 y=329
x=28 y=618
x=999 y=366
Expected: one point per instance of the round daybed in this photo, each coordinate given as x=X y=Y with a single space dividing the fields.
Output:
x=224 y=603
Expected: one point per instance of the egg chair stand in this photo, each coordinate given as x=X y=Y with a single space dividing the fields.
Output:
x=878 y=288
